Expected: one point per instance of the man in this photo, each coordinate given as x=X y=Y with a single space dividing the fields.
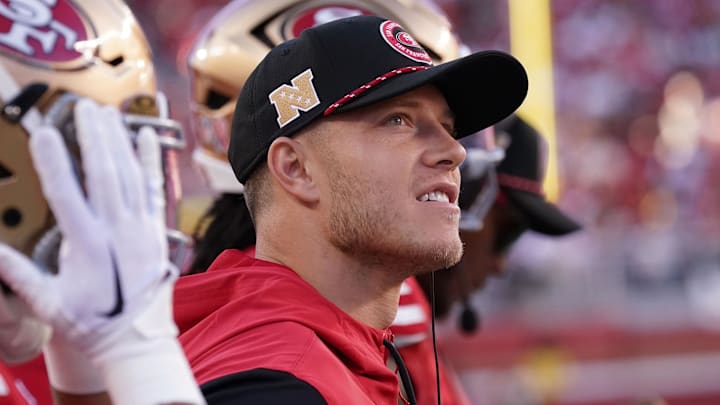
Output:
x=346 y=141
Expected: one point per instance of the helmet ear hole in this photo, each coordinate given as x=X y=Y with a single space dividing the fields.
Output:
x=11 y=217
x=5 y=173
x=215 y=100
x=118 y=60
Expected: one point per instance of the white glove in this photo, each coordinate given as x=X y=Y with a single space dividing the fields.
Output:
x=22 y=334
x=111 y=299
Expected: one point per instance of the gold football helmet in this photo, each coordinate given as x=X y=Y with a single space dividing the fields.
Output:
x=52 y=53
x=240 y=35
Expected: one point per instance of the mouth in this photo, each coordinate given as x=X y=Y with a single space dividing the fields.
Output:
x=434 y=196
x=445 y=193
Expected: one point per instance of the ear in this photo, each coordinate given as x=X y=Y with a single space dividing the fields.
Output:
x=287 y=162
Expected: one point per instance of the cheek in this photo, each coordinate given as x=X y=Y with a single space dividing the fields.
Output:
x=386 y=178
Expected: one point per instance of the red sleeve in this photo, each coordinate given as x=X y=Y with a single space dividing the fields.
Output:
x=412 y=322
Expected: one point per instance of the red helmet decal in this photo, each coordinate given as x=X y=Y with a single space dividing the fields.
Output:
x=401 y=41
x=319 y=15
x=41 y=30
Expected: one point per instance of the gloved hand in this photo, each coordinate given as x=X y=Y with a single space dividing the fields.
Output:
x=22 y=334
x=112 y=297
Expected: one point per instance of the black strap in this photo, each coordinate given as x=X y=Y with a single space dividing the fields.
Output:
x=16 y=108
x=404 y=374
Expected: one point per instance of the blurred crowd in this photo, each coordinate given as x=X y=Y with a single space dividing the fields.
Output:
x=637 y=104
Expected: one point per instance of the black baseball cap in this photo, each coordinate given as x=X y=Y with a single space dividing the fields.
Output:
x=520 y=175
x=356 y=61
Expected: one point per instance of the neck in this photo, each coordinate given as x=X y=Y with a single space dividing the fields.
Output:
x=361 y=293
x=369 y=294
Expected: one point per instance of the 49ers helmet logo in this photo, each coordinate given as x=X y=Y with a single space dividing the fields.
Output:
x=41 y=30
x=312 y=17
x=401 y=41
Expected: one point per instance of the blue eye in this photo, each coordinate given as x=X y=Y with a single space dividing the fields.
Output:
x=396 y=120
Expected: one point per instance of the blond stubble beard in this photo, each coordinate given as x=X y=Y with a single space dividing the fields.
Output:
x=359 y=227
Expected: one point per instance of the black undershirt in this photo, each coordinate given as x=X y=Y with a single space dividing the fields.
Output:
x=261 y=386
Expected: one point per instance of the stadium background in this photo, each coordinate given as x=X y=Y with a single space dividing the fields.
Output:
x=629 y=309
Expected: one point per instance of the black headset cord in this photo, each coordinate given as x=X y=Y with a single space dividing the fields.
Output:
x=434 y=343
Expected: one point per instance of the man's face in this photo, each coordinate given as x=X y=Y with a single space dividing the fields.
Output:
x=392 y=183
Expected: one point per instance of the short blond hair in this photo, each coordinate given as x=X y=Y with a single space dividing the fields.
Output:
x=257 y=192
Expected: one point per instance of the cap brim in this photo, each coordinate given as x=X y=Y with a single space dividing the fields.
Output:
x=542 y=216
x=481 y=89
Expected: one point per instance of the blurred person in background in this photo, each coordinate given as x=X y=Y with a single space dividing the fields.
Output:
x=518 y=206
x=51 y=56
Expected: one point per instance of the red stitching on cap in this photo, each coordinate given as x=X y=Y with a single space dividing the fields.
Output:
x=520 y=183
x=367 y=86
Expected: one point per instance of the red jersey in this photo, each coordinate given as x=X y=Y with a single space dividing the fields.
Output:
x=247 y=314
x=412 y=330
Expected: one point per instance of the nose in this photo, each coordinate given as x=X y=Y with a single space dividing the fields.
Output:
x=445 y=150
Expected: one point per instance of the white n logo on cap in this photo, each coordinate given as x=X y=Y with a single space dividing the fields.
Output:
x=290 y=100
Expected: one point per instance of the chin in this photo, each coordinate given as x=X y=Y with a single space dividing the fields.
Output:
x=442 y=255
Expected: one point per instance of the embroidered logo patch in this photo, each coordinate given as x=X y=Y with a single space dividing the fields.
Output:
x=290 y=100
x=42 y=31
x=401 y=41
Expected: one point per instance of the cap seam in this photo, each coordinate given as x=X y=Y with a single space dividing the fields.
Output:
x=321 y=45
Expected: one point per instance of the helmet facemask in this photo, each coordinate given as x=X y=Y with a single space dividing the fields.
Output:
x=479 y=186
x=27 y=223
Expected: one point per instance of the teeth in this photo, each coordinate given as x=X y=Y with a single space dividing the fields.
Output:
x=435 y=196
